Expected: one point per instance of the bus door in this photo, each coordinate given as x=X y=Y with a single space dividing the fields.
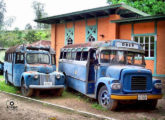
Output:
x=53 y=60
x=91 y=73
x=9 y=67
x=18 y=68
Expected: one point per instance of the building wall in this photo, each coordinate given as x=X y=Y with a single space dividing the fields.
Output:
x=112 y=31
x=104 y=27
x=59 y=39
x=160 y=47
x=125 y=31
x=144 y=27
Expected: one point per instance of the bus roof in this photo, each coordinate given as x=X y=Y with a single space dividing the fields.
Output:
x=118 y=43
x=24 y=48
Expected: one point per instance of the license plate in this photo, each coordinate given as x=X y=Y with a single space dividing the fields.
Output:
x=142 y=97
x=47 y=83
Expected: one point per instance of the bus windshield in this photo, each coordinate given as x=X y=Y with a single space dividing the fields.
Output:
x=122 y=57
x=36 y=58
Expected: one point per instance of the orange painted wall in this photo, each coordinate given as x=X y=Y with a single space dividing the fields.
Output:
x=91 y=22
x=150 y=65
x=160 y=47
x=79 y=32
x=142 y=28
x=59 y=38
x=113 y=27
x=103 y=28
x=69 y=25
x=53 y=30
x=125 y=31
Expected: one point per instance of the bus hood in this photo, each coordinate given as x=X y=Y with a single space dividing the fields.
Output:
x=115 y=70
x=41 y=68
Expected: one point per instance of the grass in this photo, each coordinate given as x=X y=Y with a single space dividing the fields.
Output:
x=7 y=88
x=98 y=107
x=1 y=77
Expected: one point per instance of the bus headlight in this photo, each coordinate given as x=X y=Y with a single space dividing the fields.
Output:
x=158 y=85
x=35 y=76
x=58 y=76
x=116 y=86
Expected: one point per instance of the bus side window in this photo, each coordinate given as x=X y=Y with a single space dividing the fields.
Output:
x=61 y=55
x=73 y=55
x=6 y=55
x=53 y=59
x=19 y=58
x=68 y=55
x=64 y=55
x=84 y=56
x=78 y=56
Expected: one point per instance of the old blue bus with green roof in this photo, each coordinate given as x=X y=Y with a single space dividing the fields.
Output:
x=111 y=72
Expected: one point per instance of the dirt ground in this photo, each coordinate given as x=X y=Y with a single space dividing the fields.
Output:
x=28 y=110
x=125 y=112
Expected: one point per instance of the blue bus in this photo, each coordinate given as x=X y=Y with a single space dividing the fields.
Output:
x=1 y=68
x=31 y=68
x=112 y=72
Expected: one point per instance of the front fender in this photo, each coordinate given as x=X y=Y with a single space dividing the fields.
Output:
x=107 y=81
x=28 y=77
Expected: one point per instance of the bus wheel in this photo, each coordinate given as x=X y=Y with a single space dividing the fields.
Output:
x=151 y=104
x=105 y=100
x=6 y=79
x=25 y=90
x=57 y=92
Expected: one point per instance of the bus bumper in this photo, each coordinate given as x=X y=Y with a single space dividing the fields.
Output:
x=46 y=86
x=135 y=96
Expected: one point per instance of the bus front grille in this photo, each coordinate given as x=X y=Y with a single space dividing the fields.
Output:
x=138 y=83
x=47 y=78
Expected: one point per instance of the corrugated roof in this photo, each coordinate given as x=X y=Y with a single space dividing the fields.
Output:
x=45 y=43
x=122 y=9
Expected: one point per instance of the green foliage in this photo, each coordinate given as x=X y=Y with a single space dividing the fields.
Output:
x=8 y=88
x=2 y=55
x=31 y=36
x=152 y=7
x=16 y=37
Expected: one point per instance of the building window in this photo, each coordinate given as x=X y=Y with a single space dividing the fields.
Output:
x=148 y=44
x=91 y=33
x=69 y=36
x=69 y=41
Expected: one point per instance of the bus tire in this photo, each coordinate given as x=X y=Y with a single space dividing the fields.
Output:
x=6 y=79
x=151 y=104
x=25 y=90
x=105 y=100
x=59 y=92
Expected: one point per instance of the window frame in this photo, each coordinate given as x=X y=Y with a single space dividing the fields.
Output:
x=149 y=57
x=16 y=61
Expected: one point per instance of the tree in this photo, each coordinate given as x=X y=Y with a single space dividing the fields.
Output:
x=28 y=27
x=152 y=7
x=2 y=13
x=39 y=13
x=31 y=36
x=4 y=23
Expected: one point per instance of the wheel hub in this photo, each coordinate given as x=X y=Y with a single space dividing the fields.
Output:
x=105 y=99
